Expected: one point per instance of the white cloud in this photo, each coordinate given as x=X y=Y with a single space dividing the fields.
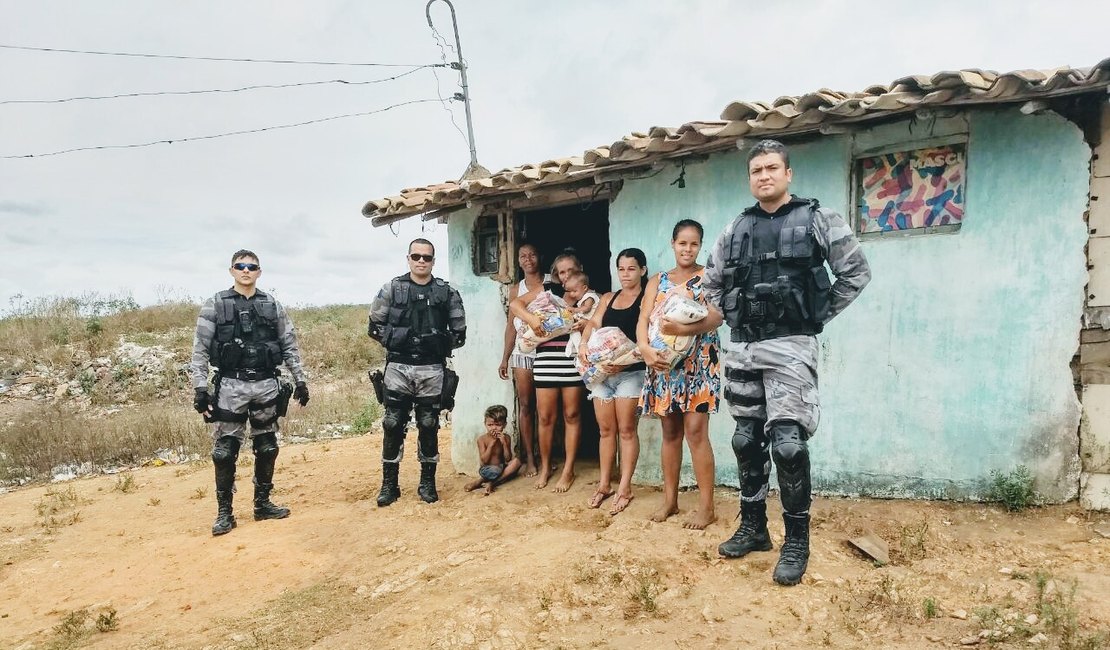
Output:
x=548 y=80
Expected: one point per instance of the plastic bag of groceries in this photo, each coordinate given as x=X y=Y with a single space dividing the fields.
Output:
x=607 y=346
x=676 y=309
x=557 y=321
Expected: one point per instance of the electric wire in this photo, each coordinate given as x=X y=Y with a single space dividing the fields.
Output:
x=205 y=58
x=219 y=135
x=440 y=43
x=214 y=90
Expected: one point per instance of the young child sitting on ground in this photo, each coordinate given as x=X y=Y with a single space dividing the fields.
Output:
x=495 y=452
x=583 y=303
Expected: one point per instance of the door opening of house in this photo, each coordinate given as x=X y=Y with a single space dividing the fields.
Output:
x=585 y=228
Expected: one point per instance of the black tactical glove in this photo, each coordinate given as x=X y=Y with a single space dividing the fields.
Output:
x=300 y=393
x=200 y=401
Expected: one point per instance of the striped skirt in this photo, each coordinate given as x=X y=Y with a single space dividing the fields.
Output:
x=553 y=368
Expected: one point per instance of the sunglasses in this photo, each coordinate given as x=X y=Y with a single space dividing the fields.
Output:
x=417 y=257
x=243 y=266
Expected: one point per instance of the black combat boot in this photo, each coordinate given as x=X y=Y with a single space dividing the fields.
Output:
x=224 y=457
x=390 y=491
x=265 y=458
x=751 y=535
x=225 y=519
x=263 y=507
x=427 y=487
x=795 y=550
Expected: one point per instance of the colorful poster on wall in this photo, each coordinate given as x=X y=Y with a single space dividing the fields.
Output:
x=905 y=190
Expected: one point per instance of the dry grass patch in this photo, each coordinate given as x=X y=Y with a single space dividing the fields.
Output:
x=40 y=442
x=58 y=508
x=319 y=611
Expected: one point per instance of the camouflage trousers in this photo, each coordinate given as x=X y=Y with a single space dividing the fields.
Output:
x=773 y=380
x=240 y=396
x=411 y=388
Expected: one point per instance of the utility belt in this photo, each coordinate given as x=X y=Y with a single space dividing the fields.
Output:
x=446 y=393
x=251 y=374
x=414 y=358
x=285 y=393
x=762 y=332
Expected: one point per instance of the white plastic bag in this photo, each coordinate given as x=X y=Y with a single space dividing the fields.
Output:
x=677 y=309
x=607 y=346
x=557 y=321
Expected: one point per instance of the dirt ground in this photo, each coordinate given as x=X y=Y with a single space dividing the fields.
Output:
x=519 y=569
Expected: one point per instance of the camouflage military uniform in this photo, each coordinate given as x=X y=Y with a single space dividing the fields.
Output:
x=771 y=372
x=419 y=326
x=240 y=396
x=246 y=391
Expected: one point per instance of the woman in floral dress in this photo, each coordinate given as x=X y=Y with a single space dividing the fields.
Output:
x=685 y=396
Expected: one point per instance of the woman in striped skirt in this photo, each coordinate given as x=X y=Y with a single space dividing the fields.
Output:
x=556 y=379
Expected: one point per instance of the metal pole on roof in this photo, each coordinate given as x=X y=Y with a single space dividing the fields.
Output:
x=473 y=170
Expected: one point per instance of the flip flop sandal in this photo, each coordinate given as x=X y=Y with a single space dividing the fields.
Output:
x=598 y=498
x=620 y=504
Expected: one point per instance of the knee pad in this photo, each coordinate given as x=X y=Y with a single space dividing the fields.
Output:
x=225 y=451
x=749 y=439
x=790 y=451
x=394 y=420
x=427 y=419
x=265 y=445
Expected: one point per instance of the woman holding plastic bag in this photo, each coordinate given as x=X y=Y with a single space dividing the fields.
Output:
x=519 y=362
x=555 y=378
x=616 y=396
x=683 y=377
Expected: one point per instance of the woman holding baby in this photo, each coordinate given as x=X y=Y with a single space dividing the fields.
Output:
x=685 y=395
x=555 y=378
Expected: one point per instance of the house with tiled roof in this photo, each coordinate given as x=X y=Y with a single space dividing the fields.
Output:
x=982 y=201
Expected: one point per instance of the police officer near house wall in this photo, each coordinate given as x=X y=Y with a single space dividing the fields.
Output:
x=246 y=335
x=419 y=320
x=767 y=274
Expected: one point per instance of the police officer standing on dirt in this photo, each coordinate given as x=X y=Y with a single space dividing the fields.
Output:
x=767 y=274
x=246 y=335
x=419 y=320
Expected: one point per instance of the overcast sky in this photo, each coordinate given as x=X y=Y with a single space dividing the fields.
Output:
x=547 y=79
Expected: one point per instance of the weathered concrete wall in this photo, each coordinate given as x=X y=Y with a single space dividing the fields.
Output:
x=1094 y=433
x=953 y=363
x=476 y=362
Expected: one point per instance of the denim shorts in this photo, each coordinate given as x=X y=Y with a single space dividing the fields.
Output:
x=623 y=385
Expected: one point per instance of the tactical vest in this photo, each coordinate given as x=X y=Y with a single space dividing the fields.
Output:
x=775 y=282
x=246 y=332
x=416 y=330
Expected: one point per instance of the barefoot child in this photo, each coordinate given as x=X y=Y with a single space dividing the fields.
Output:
x=495 y=452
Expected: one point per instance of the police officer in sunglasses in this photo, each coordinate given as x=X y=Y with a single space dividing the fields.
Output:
x=246 y=335
x=419 y=320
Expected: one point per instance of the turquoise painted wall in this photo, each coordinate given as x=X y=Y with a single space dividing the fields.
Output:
x=954 y=361
x=476 y=362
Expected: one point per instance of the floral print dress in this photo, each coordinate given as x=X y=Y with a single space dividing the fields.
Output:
x=694 y=385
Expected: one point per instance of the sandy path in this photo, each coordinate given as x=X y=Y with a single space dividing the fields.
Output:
x=521 y=568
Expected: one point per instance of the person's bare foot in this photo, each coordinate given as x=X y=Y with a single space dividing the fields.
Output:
x=698 y=521
x=473 y=485
x=566 y=479
x=489 y=489
x=664 y=513
x=544 y=477
x=530 y=470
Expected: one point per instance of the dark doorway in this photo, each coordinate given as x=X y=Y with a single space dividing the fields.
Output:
x=585 y=228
